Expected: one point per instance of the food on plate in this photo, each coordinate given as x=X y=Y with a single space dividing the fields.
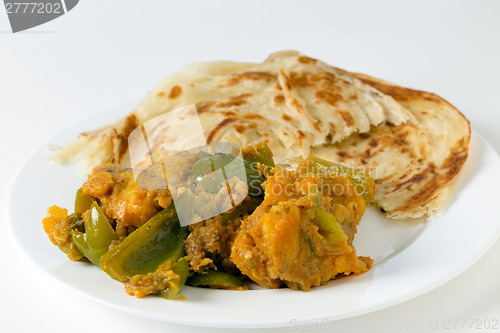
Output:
x=296 y=229
x=171 y=199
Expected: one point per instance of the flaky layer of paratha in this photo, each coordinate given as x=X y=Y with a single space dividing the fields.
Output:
x=291 y=101
x=414 y=164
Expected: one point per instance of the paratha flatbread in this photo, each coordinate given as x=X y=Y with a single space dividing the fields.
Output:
x=414 y=164
x=246 y=103
x=335 y=103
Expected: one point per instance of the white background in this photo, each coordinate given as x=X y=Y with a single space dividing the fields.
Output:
x=104 y=52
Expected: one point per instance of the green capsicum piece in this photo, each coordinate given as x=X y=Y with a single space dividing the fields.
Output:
x=156 y=244
x=82 y=201
x=181 y=269
x=159 y=240
x=209 y=163
x=75 y=222
x=259 y=153
x=230 y=165
x=363 y=182
x=204 y=170
x=97 y=237
x=328 y=226
x=254 y=155
x=216 y=280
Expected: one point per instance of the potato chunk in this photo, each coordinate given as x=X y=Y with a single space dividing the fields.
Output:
x=302 y=233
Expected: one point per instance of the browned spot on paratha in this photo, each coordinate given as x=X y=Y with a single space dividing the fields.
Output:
x=307 y=60
x=234 y=101
x=255 y=75
x=219 y=127
x=347 y=118
x=279 y=99
x=175 y=92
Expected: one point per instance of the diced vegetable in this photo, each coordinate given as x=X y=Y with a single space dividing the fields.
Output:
x=206 y=173
x=363 y=182
x=58 y=226
x=209 y=163
x=159 y=240
x=328 y=226
x=215 y=279
x=181 y=269
x=204 y=170
x=97 y=237
x=82 y=201
x=253 y=155
x=158 y=243
x=259 y=153
x=76 y=222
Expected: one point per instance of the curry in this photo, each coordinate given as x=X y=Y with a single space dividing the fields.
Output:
x=277 y=227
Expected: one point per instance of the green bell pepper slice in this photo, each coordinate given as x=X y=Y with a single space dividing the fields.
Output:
x=159 y=240
x=209 y=163
x=328 y=226
x=157 y=243
x=97 y=237
x=82 y=201
x=229 y=165
x=216 y=280
x=75 y=222
x=205 y=167
x=259 y=153
x=363 y=182
x=181 y=269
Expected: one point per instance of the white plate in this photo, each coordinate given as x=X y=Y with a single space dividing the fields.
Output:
x=411 y=258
